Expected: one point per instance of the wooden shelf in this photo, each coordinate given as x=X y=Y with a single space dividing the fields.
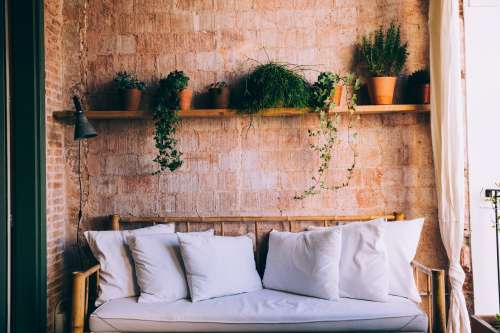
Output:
x=278 y=112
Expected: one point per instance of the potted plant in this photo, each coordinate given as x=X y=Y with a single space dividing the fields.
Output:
x=172 y=96
x=176 y=86
x=419 y=85
x=327 y=90
x=130 y=88
x=384 y=56
x=274 y=85
x=219 y=95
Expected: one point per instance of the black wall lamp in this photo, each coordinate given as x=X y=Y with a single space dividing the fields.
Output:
x=83 y=130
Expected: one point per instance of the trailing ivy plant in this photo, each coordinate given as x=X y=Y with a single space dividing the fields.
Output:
x=274 y=85
x=322 y=93
x=166 y=121
x=383 y=53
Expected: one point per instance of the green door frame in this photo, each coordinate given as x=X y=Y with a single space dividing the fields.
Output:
x=4 y=217
x=28 y=235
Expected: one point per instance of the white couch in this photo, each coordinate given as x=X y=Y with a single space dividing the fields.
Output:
x=260 y=311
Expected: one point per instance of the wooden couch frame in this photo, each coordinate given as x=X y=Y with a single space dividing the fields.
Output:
x=430 y=282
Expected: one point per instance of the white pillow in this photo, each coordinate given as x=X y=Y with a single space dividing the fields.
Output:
x=219 y=266
x=158 y=266
x=117 y=277
x=305 y=263
x=401 y=239
x=364 y=271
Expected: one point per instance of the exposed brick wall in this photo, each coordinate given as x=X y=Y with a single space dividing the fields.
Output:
x=232 y=167
x=56 y=215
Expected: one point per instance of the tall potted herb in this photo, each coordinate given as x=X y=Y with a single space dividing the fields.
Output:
x=384 y=56
x=130 y=89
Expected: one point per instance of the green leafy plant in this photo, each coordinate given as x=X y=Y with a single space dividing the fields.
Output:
x=124 y=81
x=383 y=53
x=327 y=134
x=421 y=76
x=218 y=86
x=274 y=85
x=322 y=89
x=167 y=119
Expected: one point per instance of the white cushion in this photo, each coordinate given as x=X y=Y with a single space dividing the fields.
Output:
x=117 y=277
x=260 y=311
x=305 y=263
x=401 y=239
x=158 y=266
x=219 y=266
x=363 y=264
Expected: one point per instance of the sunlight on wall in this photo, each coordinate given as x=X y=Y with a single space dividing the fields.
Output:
x=482 y=51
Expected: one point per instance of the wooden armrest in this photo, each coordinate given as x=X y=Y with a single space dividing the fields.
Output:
x=80 y=301
x=435 y=291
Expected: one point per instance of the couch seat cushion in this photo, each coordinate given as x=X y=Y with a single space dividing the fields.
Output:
x=264 y=310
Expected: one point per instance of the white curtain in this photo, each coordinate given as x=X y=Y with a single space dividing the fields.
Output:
x=448 y=137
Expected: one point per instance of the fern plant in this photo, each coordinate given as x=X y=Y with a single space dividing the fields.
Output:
x=274 y=85
x=383 y=53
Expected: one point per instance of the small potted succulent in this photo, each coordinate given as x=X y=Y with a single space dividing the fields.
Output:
x=419 y=85
x=219 y=95
x=384 y=56
x=130 y=88
x=175 y=85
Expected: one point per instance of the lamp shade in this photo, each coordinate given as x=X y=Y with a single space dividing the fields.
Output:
x=83 y=128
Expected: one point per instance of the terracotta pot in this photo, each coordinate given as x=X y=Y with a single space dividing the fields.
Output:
x=132 y=99
x=185 y=98
x=424 y=94
x=337 y=97
x=381 y=89
x=219 y=97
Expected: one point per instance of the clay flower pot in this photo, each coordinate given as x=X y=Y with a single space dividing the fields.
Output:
x=132 y=99
x=185 y=98
x=337 y=97
x=219 y=97
x=424 y=94
x=381 y=89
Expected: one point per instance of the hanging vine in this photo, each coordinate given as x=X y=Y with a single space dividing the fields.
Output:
x=167 y=120
x=323 y=101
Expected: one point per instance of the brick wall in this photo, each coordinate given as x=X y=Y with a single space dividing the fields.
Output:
x=230 y=166
x=238 y=166
x=55 y=158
